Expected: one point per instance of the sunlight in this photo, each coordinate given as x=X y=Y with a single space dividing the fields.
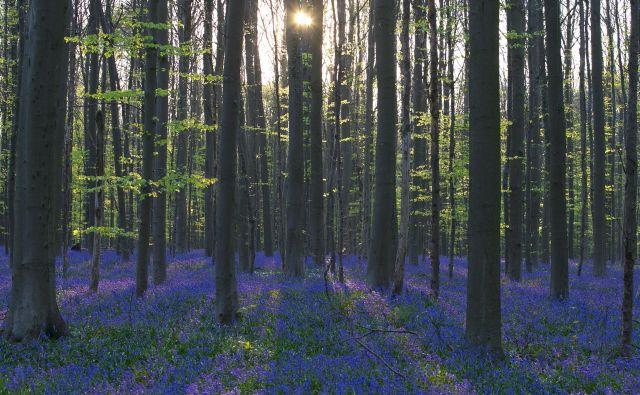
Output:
x=302 y=19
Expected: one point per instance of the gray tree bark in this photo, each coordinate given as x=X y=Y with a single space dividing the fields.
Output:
x=630 y=186
x=33 y=308
x=294 y=263
x=516 y=48
x=483 y=322
x=599 y=220
x=144 y=212
x=316 y=190
x=557 y=150
x=226 y=284
x=160 y=170
x=384 y=227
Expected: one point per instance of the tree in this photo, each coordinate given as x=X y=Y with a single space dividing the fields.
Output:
x=150 y=84
x=515 y=13
x=558 y=141
x=294 y=262
x=160 y=170
x=99 y=202
x=483 y=327
x=417 y=217
x=316 y=187
x=599 y=224
x=33 y=309
x=434 y=109
x=182 y=143
x=405 y=132
x=91 y=103
x=630 y=186
x=226 y=284
x=382 y=249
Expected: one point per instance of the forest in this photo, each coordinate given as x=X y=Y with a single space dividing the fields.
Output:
x=319 y=197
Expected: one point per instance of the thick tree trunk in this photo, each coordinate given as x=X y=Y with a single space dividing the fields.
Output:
x=384 y=227
x=368 y=133
x=294 y=264
x=226 y=284
x=483 y=323
x=558 y=141
x=33 y=309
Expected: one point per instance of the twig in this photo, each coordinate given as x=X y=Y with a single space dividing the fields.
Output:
x=379 y=358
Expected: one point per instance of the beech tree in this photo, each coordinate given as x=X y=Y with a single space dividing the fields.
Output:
x=33 y=309
x=483 y=324
x=558 y=141
x=226 y=283
x=383 y=226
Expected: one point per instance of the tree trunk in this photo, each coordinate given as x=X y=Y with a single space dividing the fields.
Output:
x=160 y=171
x=599 y=220
x=33 y=309
x=226 y=285
x=558 y=141
x=630 y=186
x=434 y=107
x=99 y=203
x=405 y=132
x=417 y=217
x=316 y=211
x=384 y=227
x=483 y=322
x=150 y=84
x=182 y=144
x=584 y=196
x=516 y=47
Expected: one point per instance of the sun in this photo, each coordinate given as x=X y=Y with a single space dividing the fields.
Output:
x=302 y=19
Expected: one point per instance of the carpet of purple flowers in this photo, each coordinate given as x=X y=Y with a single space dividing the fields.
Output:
x=293 y=339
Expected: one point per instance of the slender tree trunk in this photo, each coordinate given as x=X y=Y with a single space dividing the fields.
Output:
x=368 y=133
x=33 y=309
x=67 y=195
x=599 y=220
x=516 y=206
x=405 y=132
x=583 y=141
x=434 y=107
x=483 y=322
x=150 y=84
x=160 y=171
x=226 y=284
x=316 y=220
x=630 y=186
x=417 y=217
x=451 y=26
x=99 y=203
x=91 y=104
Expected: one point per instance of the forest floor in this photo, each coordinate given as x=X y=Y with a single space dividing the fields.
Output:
x=292 y=338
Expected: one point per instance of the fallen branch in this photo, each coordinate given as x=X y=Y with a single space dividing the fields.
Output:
x=379 y=358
